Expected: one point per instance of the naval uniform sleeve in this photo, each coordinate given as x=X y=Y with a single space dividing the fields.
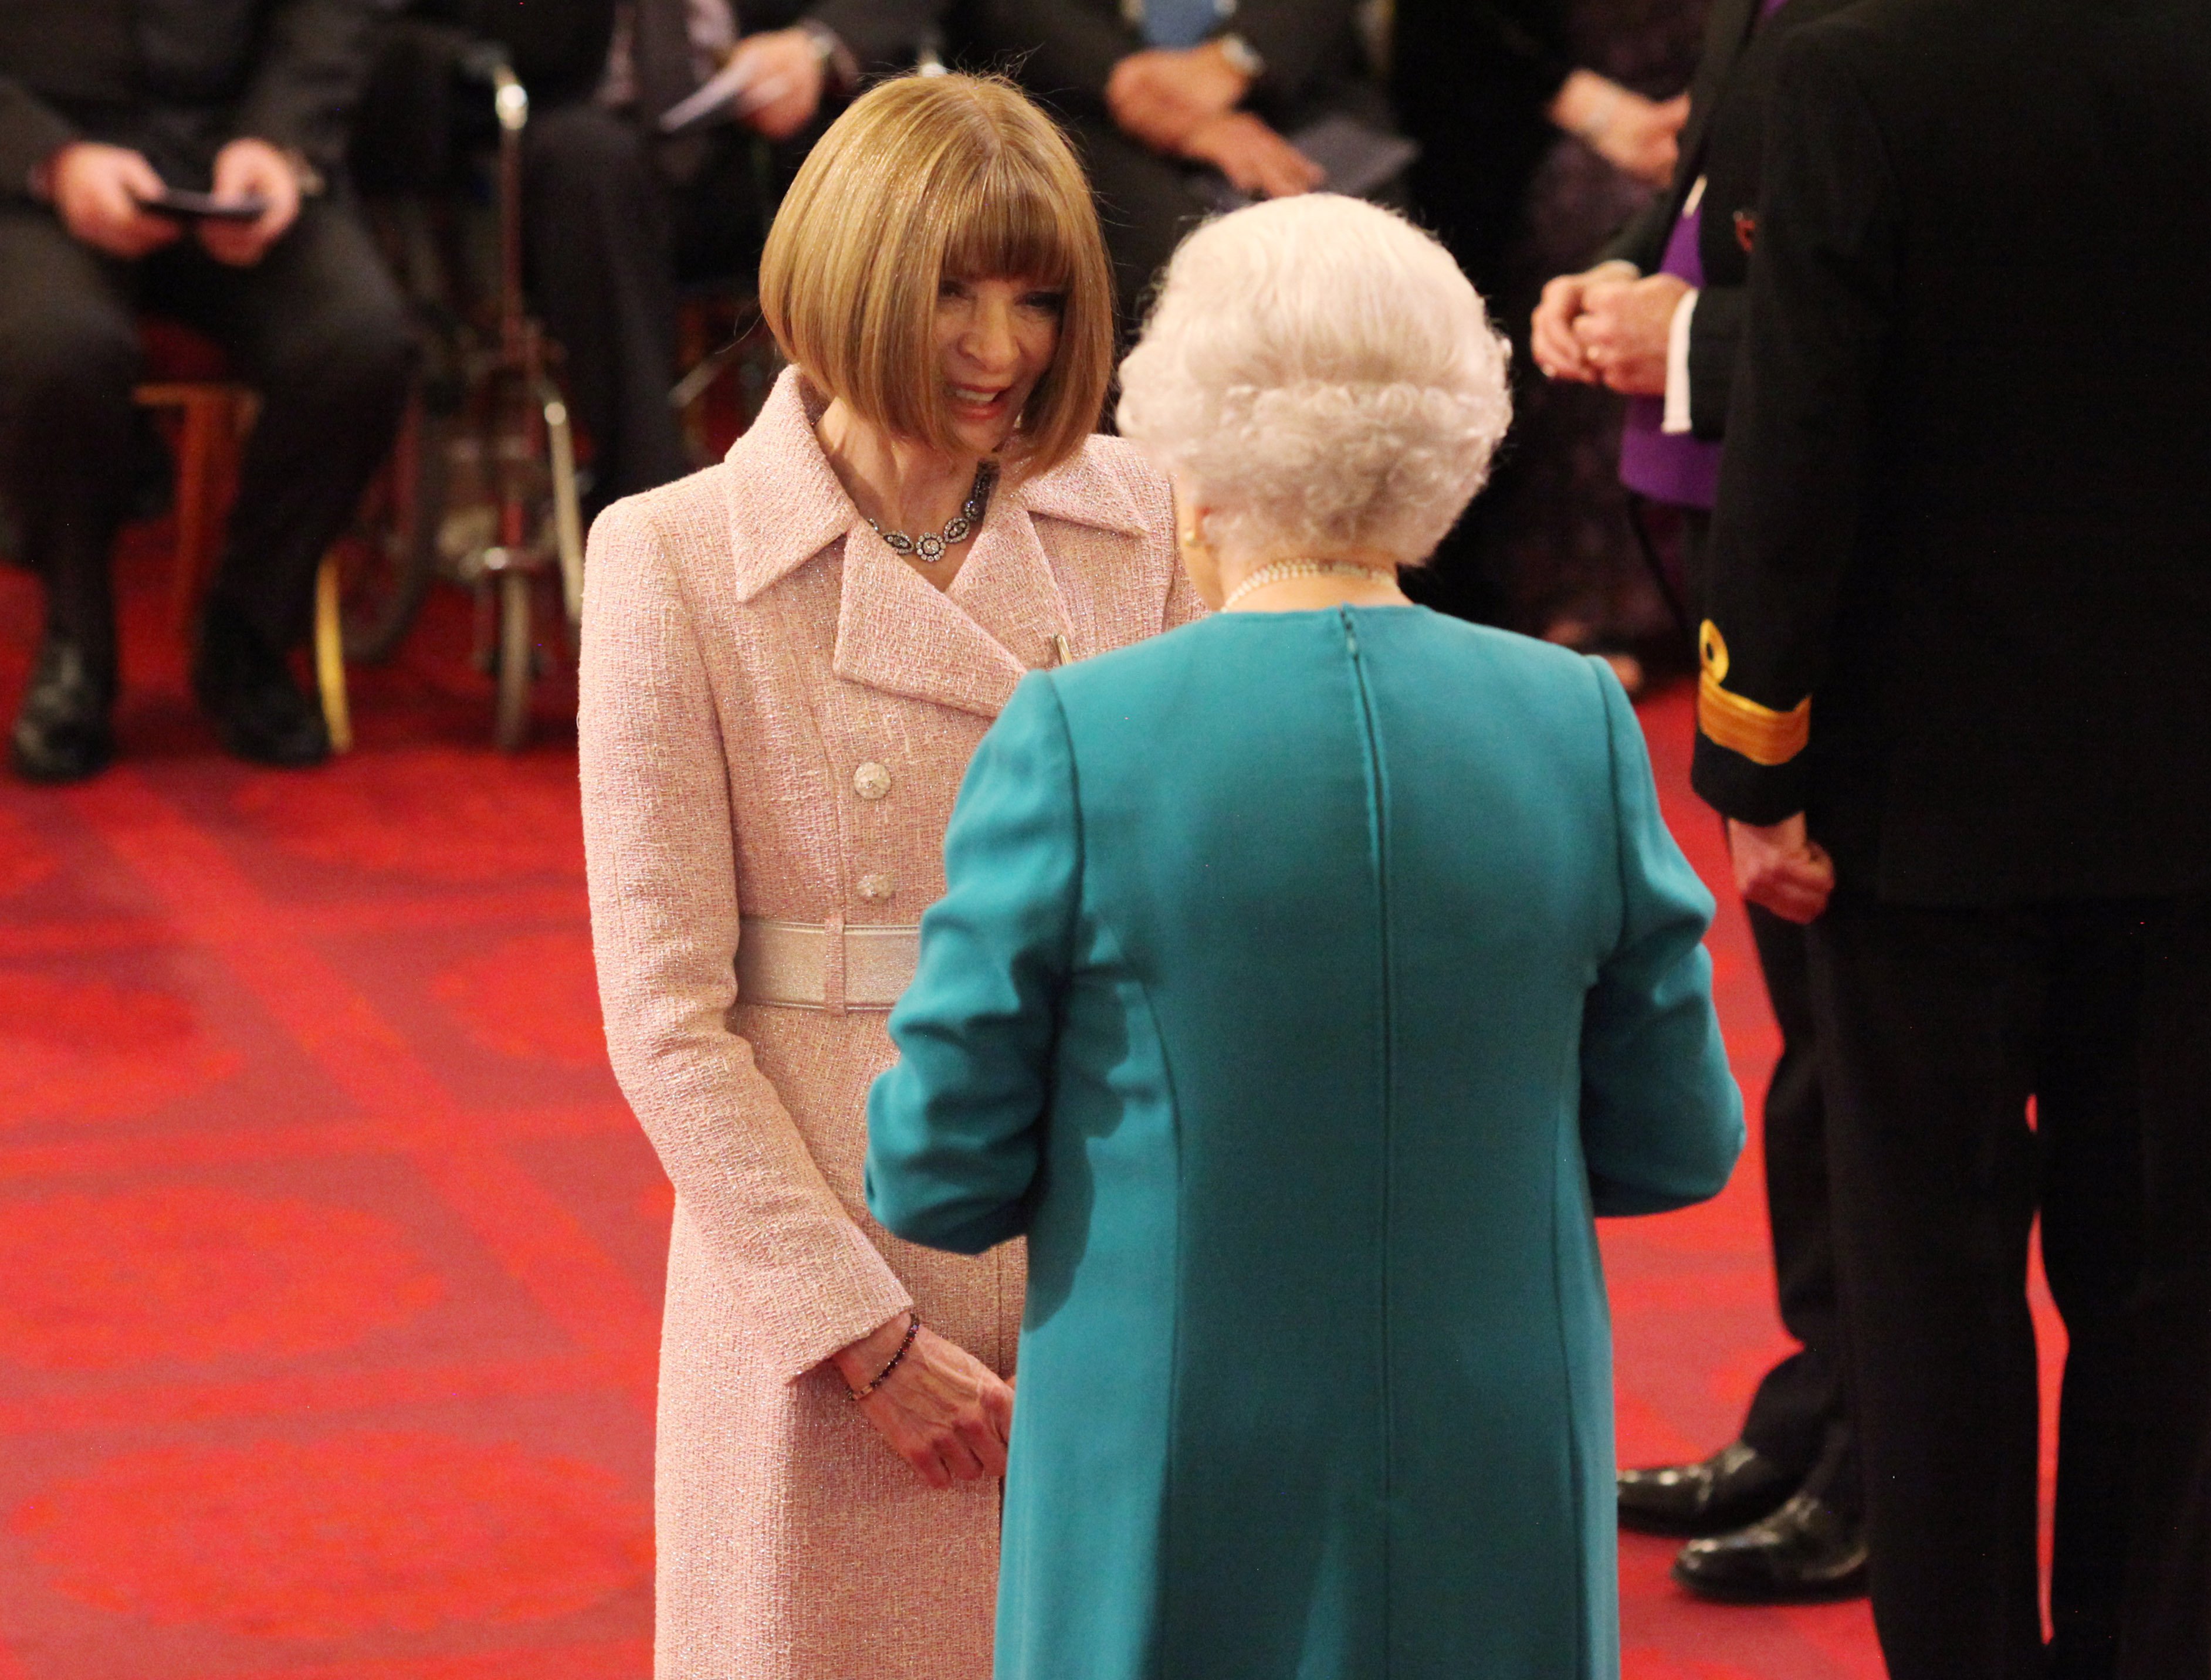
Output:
x=953 y=1129
x=1792 y=480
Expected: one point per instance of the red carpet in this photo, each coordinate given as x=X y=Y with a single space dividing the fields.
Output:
x=330 y=1257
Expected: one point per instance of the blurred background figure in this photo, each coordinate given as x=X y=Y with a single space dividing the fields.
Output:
x=616 y=212
x=1538 y=137
x=1778 y=1512
x=1487 y=87
x=1159 y=92
x=105 y=105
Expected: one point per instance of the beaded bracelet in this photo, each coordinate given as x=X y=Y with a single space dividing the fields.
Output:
x=912 y=1330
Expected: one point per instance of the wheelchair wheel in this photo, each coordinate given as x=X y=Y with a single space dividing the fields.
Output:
x=517 y=652
x=387 y=559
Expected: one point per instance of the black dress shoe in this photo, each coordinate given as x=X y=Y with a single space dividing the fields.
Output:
x=61 y=734
x=1804 y=1553
x=245 y=684
x=1737 y=1485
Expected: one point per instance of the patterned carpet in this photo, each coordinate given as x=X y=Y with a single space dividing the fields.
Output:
x=329 y=1255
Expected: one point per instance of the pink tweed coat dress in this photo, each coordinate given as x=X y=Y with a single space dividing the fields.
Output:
x=775 y=715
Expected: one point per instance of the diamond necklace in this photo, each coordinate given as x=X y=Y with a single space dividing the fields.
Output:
x=929 y=546
x=1283 y=569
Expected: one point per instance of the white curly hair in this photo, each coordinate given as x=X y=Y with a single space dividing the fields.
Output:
x=1319 y=376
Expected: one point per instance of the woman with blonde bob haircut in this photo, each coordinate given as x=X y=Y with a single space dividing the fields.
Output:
x=1304 y=982
x=981 y=183
x=788 y=660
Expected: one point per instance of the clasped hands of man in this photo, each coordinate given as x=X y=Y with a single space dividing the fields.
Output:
x=101 y=193
x=1609 y=325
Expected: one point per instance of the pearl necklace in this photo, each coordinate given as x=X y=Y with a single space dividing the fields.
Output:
x=929 y=546
x=1282 y=570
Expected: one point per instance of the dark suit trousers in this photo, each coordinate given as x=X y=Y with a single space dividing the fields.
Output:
x=1144 y=204
x=1800 y=1417
x=315 y=327
x=1145 y=201
x=1936 y=1026
x=608 y=233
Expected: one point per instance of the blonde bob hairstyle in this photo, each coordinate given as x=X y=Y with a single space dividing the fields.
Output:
x=1317 y=374
x=927 y=179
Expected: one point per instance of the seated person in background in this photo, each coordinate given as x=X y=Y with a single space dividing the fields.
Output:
x=1486 y=86
x=1151 y=87
x=103 y=105
x=614 y=211
x=1302 y=1085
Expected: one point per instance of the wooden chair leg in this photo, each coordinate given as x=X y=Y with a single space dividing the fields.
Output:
x=330 y=656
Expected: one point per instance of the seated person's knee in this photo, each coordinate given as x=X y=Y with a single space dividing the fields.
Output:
x=62 y=357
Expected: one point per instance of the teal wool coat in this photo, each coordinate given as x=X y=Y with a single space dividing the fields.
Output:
x=1303 y=985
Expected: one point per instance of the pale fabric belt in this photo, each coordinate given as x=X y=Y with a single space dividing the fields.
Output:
x=811 y=965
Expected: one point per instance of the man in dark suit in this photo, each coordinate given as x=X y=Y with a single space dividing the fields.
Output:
x=1660 y=319
x=616 y=213
x=1153 y=89
x=103 y=104
x=1959 y=616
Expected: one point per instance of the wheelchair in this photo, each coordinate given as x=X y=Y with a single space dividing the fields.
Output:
x=483 y=487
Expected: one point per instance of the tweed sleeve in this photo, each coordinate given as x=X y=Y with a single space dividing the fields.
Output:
x=660 y=853
x=1660 y=1117
x=952 y=1129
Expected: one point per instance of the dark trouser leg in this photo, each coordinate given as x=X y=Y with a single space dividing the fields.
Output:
x=317 y=329
x=69 y=354
x=595 y=216
x=1145 y=206
x=1798 y=1418
x=1927 y=1021
x=2166 y=1620
x=2089 y=1114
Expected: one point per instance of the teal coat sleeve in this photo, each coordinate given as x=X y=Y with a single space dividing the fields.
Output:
x=1662 y=1118
x=952 y=1142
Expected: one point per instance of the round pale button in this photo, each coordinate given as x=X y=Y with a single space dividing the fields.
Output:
x=876 y=887
x=871 y=780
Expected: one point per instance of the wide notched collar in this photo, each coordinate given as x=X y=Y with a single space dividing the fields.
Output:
x=784 y=503
x=966 y=648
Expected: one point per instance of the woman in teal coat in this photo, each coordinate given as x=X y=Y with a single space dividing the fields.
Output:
x=1305 y=981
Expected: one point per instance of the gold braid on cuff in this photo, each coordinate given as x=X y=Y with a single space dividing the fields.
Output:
x=1758 y=732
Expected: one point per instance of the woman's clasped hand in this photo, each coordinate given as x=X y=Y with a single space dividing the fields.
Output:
x=942 y=1410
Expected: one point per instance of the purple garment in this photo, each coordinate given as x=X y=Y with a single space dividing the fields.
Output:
x=1673 y=466
x=1669 y=466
